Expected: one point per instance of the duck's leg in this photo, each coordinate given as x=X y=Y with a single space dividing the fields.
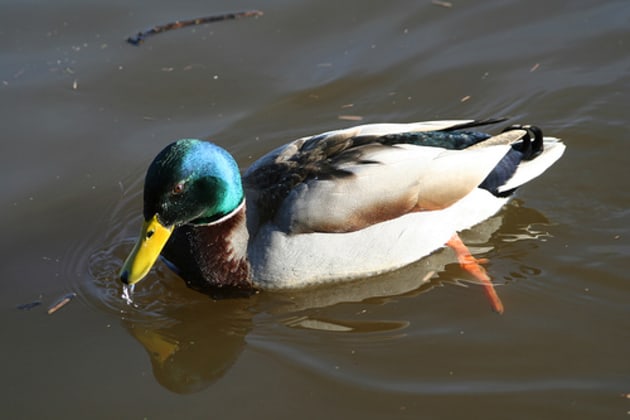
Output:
x=473 y=266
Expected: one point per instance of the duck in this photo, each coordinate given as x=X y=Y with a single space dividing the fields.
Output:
x=342 y=205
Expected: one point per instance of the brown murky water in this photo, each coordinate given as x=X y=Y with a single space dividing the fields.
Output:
x=83 y=114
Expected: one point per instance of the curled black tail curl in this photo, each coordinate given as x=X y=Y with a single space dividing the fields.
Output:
x=530 y=149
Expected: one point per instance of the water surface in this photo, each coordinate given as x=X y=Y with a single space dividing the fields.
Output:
x=84 y=113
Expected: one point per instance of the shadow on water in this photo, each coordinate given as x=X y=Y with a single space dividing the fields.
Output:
x=192 y=340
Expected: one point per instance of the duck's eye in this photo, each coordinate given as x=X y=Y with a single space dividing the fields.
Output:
x=178 y=188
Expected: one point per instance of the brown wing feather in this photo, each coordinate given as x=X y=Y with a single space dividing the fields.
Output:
x=328 y=157
x=314 y=157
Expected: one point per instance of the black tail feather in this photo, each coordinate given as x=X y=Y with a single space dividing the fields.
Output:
x=530 y=149
x=526 y=149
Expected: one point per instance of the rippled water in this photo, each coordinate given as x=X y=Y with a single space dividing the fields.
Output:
x=84 y=113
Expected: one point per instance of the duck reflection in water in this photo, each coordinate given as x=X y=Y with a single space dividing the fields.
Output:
x=191 y=346
x=196 y=340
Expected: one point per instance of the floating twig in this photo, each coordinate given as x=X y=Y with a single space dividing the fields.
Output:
x=140 y=36
x=63 y=301
x=446 y=4
x=30 y=305
x=350 y=117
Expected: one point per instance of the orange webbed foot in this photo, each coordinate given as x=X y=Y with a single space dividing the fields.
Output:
x=473 y=266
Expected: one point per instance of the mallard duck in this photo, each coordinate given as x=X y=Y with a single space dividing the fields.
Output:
x=341 y=205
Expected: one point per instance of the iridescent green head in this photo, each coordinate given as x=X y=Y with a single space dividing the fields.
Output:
x=190 y=181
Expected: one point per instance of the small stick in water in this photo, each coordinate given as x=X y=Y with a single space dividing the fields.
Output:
x=61 y=303
x=29 y=306
x=140 y=36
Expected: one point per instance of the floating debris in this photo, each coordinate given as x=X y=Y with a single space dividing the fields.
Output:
x=465 y=98
x=350 y=117
x=440 y=3
x=140 y=36
x=534 y=67
x=63 y=301
x=30 y=305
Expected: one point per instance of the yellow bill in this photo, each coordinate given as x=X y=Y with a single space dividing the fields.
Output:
x=152 y=239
